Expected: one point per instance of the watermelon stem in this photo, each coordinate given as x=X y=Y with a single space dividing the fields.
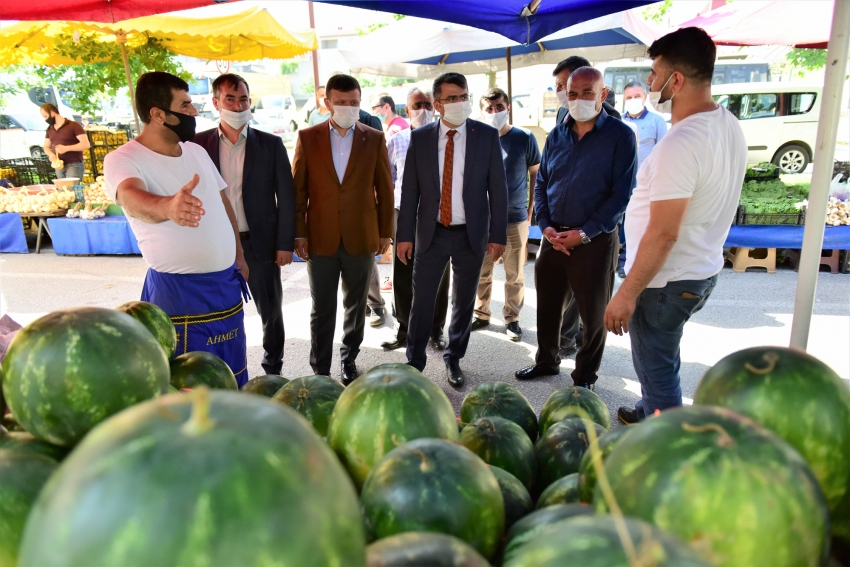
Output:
x=771 y=358
x=723 y=439
x=199 y=422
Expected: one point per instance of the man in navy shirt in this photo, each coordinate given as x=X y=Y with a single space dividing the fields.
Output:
x=522 y=159
x=586 y=175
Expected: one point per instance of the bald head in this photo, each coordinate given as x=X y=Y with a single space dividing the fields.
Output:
x=585 y=84
x=588 y=75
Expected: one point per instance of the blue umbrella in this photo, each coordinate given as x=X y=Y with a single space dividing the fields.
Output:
x=520 y=20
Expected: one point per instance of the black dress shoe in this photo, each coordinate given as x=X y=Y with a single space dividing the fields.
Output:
x=628 y=415
x=439 y=342
x=514 y=331
x=589 y=386
x=621 y=273
x=479 y=324
x=393 y=345
x=348 y=373
x=376 y=317
x=536 y=371
x=454 y=374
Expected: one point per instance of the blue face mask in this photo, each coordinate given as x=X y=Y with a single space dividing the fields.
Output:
x=380 y=116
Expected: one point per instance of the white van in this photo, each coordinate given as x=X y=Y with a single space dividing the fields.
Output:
x=779 y=120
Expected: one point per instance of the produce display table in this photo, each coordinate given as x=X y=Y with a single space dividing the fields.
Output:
x=755 y=236
x=12 y=237
x=107 y=235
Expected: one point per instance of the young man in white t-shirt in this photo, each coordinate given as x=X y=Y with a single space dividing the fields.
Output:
x=679 y=216
x=173 y=197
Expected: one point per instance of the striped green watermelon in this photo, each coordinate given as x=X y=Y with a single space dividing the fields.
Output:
x=800 y=399
x=560 y=449
x=204 y=478
x=201 y=368
x=586 y=471
x=528 y=527
x=721 y=482
x=419 y=549
x=27 y=442
x=596 y=542
x=499 y=399
x=67 y=371
x=314 y=397
x=517 y=500
x=156 y=321
x=562 y=491
x=433 y=485
x=386 y=407
x=22 y=475
x=571 y=402
x=501 y=443
x=267 y=385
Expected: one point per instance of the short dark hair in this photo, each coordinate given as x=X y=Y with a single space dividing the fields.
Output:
x=48 y=108
x=612 y=96
x=342 y=83
x=494 y=95
x=385 y=98
x=572 y=63
x=688 y=50
x=154 y=90
x=455 y=79
x=632 y=84
x=231 y=80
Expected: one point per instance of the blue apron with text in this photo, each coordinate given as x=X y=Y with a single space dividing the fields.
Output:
x=206 y=310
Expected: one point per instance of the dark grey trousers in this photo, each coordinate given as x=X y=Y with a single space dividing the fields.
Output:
x=266 y=290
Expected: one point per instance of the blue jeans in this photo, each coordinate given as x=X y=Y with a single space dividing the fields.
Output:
x=655 y=330
x=77 y=170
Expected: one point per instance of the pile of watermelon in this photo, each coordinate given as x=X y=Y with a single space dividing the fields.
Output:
x=130 y=455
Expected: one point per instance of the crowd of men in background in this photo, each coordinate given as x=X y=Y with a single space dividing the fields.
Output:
x=453 y=197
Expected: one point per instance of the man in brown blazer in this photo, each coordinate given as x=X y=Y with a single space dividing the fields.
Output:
x=344 y=216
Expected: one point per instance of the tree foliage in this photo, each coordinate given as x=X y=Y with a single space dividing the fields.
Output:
x=289 y=67
x=656 y=12
x=807 y=59
x=372 y=27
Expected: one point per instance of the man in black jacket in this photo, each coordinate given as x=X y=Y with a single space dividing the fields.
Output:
x=256 y=168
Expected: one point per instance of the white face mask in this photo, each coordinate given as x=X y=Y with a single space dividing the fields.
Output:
x=665 y=107
x=634 y=106
x=420 y=117
x=496 y=120
x=235 y=120
x=562 y=98
x=457 y=112
x=345 y=116
x=583 y=110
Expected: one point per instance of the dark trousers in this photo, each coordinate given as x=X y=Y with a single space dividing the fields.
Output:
x=448 y=244
x=403 y=294
x=588 y=275
x=571 y=331
x=265 y=286
x=325 y=273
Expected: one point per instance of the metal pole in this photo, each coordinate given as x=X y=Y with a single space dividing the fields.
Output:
x=315 y=55
x=122 y=40
x=830 y=111
x=510 y=86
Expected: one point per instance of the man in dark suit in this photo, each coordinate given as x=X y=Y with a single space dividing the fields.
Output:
x=454 y=200
x=256 y=169
x=344 y=216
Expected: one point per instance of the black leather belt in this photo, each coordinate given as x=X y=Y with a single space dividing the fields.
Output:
x=566 y=228
x=245 y=235
x=452 y=226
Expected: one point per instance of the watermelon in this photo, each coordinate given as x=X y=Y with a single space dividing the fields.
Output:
x=562 y=491
x=418 y=549
x=528 y=527
x=721 y=482
x=204 y=478
x=501 y=443
x=267 y=385
x=560 y=449
x=595 y=542
x=387 y=406
x=800 y=399
x=200 y=368
x=22 y=475
x=499 y=399
x=27 y=442
x=67 y=371
x=314 y=397
x=574 y=401
x=517 y=500
x=433 y=485
x=586 y=471
x=156 y=321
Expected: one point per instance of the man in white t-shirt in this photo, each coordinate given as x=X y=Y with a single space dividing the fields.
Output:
x=173 y=197
x=679 y=216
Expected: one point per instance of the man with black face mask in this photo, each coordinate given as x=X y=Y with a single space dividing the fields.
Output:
x=175 y=202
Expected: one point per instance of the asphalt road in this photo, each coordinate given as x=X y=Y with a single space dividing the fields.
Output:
x=754 y=308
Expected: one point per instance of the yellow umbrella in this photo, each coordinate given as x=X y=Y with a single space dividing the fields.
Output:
x=244 y=36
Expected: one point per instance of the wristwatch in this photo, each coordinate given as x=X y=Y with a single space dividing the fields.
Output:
x=584 y=238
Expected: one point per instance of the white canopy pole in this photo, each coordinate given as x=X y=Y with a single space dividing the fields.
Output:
x=830 y=112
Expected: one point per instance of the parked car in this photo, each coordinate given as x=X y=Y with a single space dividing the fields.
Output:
x=281 y=107
x=779 y=120
x=22 y=135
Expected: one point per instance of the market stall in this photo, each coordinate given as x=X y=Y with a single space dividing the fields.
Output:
x=106 y=235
